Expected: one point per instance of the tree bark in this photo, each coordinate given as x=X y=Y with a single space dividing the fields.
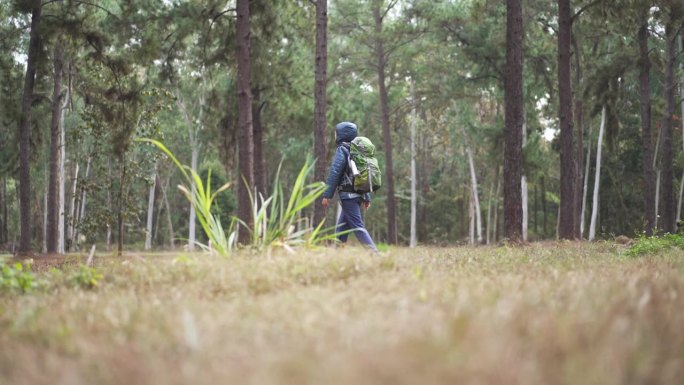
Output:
x=646 y=130
x=150 y=210
x=61 y=222
x=524 y=191
x=245 y=132
x=72 y=210
x=668 y=202
x=82 y=203
x=192 y=232
x=52 y=209
x=320 y=100
x=3 y=212
x=25 y=127
x=513 y=90
x=259 y=158
x=568 y=174
x=413 y=239
x=169 y=221
x=681 y=93
x=585 y=187
x=544 y=208
x=597 y=177
x=578 y=120
x=474 y=197
x=381 y=57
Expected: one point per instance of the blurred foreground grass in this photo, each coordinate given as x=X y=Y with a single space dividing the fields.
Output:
x=571 y=313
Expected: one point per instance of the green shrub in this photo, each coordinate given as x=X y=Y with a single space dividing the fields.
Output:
x=652 y=245
x=85 y=277
x=17 y=277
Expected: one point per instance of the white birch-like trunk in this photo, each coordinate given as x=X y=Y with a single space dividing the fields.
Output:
x=72 y=207
x=597 y=178
x=473 y=189
x=413 y=240
x=61 y=176
x=585 y=188
x=150 y=210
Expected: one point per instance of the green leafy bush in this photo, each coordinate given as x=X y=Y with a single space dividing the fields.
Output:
x=85 y=277
x=652 y=245
x=17 y=277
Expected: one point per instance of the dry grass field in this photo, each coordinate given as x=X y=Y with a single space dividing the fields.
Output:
x=568 y=313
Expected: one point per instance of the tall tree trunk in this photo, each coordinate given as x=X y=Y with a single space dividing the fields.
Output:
x=668 y=201
x=513 y=89
x=646 y=131
x=150 y=210
x=544 y=208
x=245 y=138
x=471 y=221
x=25 y=127
x=681 y=93
x=585 y=187
x=413 y=240
x=579 y=123
x=122 y=205
x=61 y=210
x=381 y=57
x=568 y=174
x=475 y=199
x=258 y=135
x=597 y=177
x=52 y=209
x=3 y=211
x=44 y=220
x=72 y=210
x=169 y=221
x=320 y=100
x=524 y=191
x=82 y=204
x=192 y=233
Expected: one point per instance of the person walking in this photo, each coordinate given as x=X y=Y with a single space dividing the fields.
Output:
x=340 y=180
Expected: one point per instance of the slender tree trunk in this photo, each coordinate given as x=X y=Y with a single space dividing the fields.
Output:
x=495 y=231
x=169 y=221
x=3 y=211
x=82 y=203
x=544 y=208
x=523 y=190
x=44 y=220
x=245 y=132
x=320 y=100
x=650 y=211
x=52 y=209
x=413 y=240
x=192 y=216
x=513 y=122
x=578 y=120
x=25 y=127
x=597 y=178
x=585 y=187
x=668 y=212
x=381 y=57
x=488 y=227
x=568 y=175
x=61 y=210
x=258 y=134
x=681 y=93
x=471 y=221
x=535 y=211
x=72 y=209
x=475 y=200
x=122 y=205
x=150 y=210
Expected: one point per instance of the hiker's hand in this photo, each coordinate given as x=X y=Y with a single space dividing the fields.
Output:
x=325 y=202
x=366 y=205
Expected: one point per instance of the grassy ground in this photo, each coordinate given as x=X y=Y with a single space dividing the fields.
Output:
x=544 y=314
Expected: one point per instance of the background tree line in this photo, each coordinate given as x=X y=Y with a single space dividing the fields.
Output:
x=525 y=120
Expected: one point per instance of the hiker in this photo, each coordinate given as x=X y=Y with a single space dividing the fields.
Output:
x=339 y=179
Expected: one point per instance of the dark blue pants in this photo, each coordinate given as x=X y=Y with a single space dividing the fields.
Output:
x=351 y=219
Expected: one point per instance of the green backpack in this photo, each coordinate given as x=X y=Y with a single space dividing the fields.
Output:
x=363 y=165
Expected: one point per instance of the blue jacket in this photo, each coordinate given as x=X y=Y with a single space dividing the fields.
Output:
x=337 y=173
